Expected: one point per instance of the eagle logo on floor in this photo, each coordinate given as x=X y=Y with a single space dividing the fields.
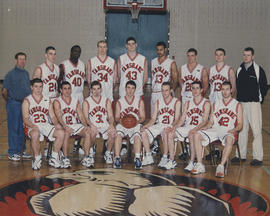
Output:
x=124 y=192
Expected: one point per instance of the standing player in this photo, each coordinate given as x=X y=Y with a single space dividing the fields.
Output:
x=163 y=69
x=225 y=121
x=103 y=69
x=97 y=110
x=218 y=74
x=48 y=72
x=166 y=112
x=194 y=117
x=69 y=114
x=132 y=66
x=73 y=71
x=36 y=110
x=129 y=105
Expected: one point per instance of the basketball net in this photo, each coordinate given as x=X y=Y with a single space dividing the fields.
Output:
x=134 y=9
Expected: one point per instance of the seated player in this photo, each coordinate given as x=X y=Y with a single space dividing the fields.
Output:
x=166 y=112
x=225 y=122
x=97 y=110
x=68 y=111
x=126 y=106
x=36 y=111
x=194 y=117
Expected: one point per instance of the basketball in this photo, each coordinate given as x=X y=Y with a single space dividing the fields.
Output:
x=129 y=121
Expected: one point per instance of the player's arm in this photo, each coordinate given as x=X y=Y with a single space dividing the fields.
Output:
x=37 y=73
x=207 y=108
x=232 y=80
x=154 y=116
x=80 y=114
x=174 y=75
x=119 y=69
x=25 y=114
x=57 y=113
x=239 y=125
x=52 y=115
x=211 y=120
x=145 y=73
x=110 y=113
x=204 y=81
x=117 y=112
x=88 y=73
x=180 y=82
x=115 y=71
x=142 y=112
x=177 y=111
x=85 y=108
x=182 y=119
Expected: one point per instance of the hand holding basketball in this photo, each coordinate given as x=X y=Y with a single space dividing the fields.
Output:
x=129 y=121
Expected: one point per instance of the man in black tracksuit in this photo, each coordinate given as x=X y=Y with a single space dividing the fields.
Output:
x=251 y=85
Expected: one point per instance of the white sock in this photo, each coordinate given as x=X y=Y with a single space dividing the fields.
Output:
x=137 y=155
x=165 y=156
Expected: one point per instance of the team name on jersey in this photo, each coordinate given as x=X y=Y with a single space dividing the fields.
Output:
x=129 y=110
x=161 y=70
x=217 y=77
x=166 y=110
x=97 y=109
x=225 y=111
x=75 y=72
x=195 y=111
x=190 y=77
x=70 y=111
x=49 y=78
x=38 y=109
x=102 y=68
x=132 y=65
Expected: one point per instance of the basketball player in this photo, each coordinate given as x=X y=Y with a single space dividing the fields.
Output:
x=48 y=72
x=97 y=110
x=72 y=70
x=132 y=66
x=225 y=121
x=36 y=110
x=163 y=69
x=194 y=117
x=68 y=111
x=166 y=113
x=134 y=105
x=188 y=73
x=218 y=74
x=103 y=69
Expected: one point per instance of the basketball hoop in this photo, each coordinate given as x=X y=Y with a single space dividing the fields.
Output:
x=135 y=9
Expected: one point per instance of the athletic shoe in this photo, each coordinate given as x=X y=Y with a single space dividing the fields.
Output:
x=220 y=171
x=163 y=162
x=55 y=162
x=108 y=157
x=91 y=161
x=138 y=163
x=61 y=155
x=171 y=164
x=117 y=163
x=198 y=168
x=123 y=151
x=155 y=147
x=86 y=161
x=36 y=163
x=65 y=163
x=256 y=162
x=189 y=167
x=148 y=160
x=26 y=156
x=14 y=157
x=237 y=160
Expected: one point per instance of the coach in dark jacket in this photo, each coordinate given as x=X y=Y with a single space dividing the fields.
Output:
x=251 y=85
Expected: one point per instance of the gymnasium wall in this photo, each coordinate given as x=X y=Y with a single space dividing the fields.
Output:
x=31 y=25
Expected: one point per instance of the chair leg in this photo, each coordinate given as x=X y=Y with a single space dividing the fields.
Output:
x=239 y=154
x=49 y=153
x=21 y=155
x=186 y=149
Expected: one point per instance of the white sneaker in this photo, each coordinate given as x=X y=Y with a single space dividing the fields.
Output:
x=148 y=160
x=108 y=158
x=163 y=162
x=198 y=168
x=91 y=161
x=26 y=156
x=189 y=167
x=220 y=171
x=171 y=164
x=14 y=157
x=36 y=163
x=55 y=162
x=86 y=161
x=65 y=163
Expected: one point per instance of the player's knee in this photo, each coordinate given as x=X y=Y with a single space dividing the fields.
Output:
x=34 y=134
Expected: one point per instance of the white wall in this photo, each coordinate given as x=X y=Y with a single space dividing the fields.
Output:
x=31 y=25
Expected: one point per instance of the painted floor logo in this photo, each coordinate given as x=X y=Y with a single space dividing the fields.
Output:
x=123 y=192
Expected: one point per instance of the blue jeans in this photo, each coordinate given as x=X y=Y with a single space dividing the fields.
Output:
x=15 y=126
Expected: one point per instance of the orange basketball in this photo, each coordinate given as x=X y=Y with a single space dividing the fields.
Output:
x=129 y=121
